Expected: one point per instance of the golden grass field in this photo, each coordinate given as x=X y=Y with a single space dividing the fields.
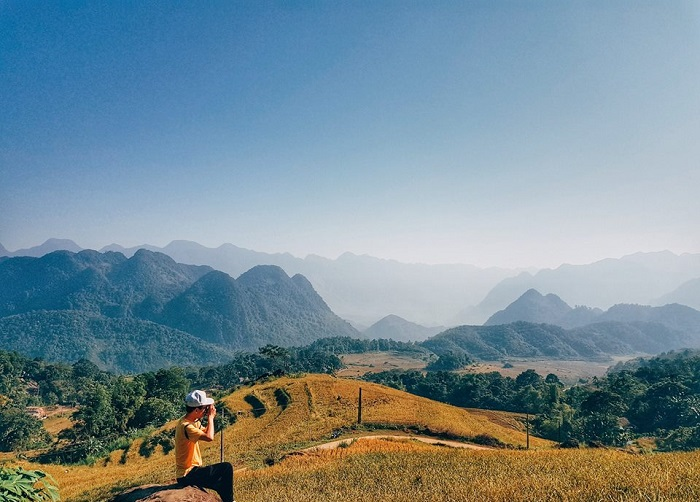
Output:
x=388 y=469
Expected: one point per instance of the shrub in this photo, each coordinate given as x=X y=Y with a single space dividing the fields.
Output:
x=21 y=485
x=683 y=438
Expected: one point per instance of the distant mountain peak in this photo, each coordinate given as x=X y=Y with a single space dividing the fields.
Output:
x=49 y=246
x=397 y=328
x=60 y=242
x=269 y=273
x=532 y=306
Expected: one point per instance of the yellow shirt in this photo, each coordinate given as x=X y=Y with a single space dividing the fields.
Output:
x=187 y=454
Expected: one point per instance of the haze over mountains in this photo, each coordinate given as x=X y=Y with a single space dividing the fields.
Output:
x=396 y=328
x=537 y=325
x=148 y=311
x=364 y=290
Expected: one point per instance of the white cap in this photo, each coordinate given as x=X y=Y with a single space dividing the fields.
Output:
x=198 y=398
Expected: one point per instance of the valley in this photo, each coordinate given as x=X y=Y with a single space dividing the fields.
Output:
x=570 y=372
x=357 y=365
x=118 y=325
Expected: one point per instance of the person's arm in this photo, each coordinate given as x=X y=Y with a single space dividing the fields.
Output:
x=209 y=429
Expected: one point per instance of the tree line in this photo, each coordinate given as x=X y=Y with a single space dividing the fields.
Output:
x=113 y=409
x=658 y=397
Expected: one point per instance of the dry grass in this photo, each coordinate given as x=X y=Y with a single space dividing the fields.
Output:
x=417 y=472
x=569 y=372
x=58 y=421
x=387 y=470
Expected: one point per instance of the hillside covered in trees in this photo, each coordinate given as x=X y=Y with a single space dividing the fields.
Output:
x=597 y=341
x=146 y=312
x=657 y=397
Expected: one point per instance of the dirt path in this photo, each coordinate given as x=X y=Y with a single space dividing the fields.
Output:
x=424 y=439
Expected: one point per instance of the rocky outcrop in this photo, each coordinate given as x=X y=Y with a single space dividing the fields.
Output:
x=165 y=493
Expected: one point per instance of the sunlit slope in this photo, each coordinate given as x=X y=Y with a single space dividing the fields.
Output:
x=320 y=404
x=283 y=416
x=409 y=472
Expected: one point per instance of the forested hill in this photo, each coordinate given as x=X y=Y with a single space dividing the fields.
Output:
x=159 y=298
x=104 y=283
x=118 y=345
x=550 y=309
x=524 y=339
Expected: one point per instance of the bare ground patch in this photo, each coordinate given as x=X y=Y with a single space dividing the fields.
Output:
x=569 y=372
x=376 y=362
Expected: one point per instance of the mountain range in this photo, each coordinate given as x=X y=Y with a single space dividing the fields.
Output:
x=363 y=289
x=550 y=309
x=146 y=311
x=643 y=278
x=54 y=304
x=544 y=326
x=598 y=341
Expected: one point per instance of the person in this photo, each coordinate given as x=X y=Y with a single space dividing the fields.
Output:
x=188 y=458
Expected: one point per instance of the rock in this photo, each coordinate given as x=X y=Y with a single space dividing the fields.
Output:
x=166 y=493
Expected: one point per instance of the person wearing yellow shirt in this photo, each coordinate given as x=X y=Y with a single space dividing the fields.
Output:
x=188 y=458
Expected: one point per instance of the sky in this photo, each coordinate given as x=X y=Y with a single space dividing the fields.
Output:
x=493 y=133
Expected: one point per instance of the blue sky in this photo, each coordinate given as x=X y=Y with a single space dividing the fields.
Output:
x=523 y=133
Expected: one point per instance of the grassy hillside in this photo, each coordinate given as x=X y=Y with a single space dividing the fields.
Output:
x=316 y=406
x=295 y=413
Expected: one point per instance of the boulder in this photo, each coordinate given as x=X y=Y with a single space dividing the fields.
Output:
x=166 y=493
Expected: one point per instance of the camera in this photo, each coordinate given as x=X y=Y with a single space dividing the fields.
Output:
x=207 y=410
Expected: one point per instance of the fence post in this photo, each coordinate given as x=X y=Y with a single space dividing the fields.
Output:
x=527 y=430
x=359 y=408
x=223 y=421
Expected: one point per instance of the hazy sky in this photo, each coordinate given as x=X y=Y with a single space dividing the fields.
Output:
x=523 y=133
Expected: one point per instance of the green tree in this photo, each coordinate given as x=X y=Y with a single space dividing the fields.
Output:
x=279 y=356
x=169 y=384
x=85 y=369
x=556 y=424
x=20 y=431
x=529 y=377
x=127 y=397
x=449 y=361
x=95 y=416
x=600 y=418
x=154 y=411
x=664 y=405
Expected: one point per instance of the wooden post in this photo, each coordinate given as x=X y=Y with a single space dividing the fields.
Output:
x=527 y=431
x=561 y=423
x=222 y=433
x=359 y=408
